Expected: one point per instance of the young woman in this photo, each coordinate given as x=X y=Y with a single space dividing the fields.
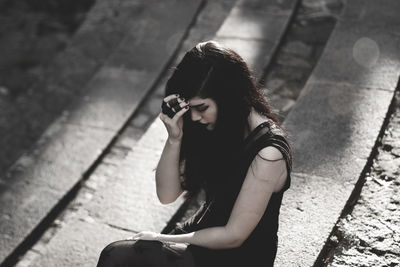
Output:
x=223 y=139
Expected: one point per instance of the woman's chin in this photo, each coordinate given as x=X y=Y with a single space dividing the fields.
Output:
x=210 y=126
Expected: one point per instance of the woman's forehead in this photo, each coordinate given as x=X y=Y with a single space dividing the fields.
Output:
x=197 y=100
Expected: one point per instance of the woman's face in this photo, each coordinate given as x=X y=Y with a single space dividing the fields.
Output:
x=204 y=111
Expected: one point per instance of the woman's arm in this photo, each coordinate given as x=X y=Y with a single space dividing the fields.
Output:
x=267 y=174
x=168 y=182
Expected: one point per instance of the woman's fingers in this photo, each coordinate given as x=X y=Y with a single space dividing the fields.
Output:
x=172 y=104
x=179 y=106
x=144 y=235
x=170 y=97
x=165 y=108
x=173 y=121
x=164 y=117
x=179 y=110
x=180 y=113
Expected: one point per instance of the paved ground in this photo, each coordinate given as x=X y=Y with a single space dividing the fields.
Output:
x=32 y=34
x=283 y=81
x=368 y=234
x=340 y=105
x=299 y=52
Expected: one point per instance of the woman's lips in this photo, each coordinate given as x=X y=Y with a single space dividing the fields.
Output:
x=204 y=125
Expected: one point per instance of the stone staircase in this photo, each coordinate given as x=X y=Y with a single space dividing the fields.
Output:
x=90 y=178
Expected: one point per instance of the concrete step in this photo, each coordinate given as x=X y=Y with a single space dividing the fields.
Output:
x=41 y=179
x=123 y=200
x=335 y=123
x=255 y=29
x=368 y=231
x=63 y=80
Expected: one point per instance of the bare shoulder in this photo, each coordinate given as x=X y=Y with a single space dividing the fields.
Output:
x=269 y=165
x=270 y=153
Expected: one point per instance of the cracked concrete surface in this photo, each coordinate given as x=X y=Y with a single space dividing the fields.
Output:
x=370 y=234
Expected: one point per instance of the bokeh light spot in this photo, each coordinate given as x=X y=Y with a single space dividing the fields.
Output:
x=366 y=52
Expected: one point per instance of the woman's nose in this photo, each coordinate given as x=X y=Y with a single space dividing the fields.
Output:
x=195 y=116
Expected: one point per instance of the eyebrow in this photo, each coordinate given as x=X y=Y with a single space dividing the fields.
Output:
x=198 y=105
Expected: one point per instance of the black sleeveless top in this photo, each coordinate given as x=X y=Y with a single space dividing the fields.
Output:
x=260 y=247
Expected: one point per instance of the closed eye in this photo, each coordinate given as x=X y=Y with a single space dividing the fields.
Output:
x=201 y=109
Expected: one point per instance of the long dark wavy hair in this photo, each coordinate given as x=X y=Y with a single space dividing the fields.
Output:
x=211 y=158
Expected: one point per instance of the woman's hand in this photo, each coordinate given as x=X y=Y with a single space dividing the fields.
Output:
x=217 y=237
x=145 y=235
x=174 y=125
